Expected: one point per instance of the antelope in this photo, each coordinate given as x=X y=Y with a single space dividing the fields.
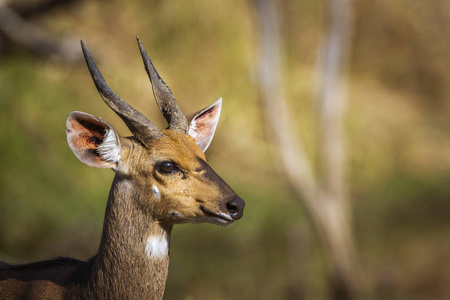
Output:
x=161 y=179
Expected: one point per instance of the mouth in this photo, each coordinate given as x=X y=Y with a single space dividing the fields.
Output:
x=219 y=218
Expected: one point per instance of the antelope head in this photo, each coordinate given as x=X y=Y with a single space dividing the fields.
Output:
x=166 y=168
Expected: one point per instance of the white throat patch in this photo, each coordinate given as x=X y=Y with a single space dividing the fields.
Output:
x=157 y=247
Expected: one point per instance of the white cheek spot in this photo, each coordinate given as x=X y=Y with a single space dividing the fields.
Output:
x=157 y=247
x=156 y=192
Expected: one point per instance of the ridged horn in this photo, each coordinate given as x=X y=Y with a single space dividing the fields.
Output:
x=139 y=125
x=163 y=96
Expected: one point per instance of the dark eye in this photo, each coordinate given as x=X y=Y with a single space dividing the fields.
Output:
x=166 y=167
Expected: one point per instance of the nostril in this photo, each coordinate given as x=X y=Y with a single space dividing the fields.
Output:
x=236 y=208
x=232 y=209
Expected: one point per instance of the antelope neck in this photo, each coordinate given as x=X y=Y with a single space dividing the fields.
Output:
x=134 y=251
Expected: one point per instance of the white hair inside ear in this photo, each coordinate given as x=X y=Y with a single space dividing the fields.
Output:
x=93 y=141
x=203 y=124
x=109 y=149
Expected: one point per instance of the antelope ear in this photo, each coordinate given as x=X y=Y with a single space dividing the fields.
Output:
x=203 y=124
x=92 y=140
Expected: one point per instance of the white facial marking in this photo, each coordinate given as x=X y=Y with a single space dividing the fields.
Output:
x=157 y=247
x=109 y=149
x=156 y=191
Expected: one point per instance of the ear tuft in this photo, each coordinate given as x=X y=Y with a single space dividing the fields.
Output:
x=93 y=141
x=203 y=124
x=109 y=149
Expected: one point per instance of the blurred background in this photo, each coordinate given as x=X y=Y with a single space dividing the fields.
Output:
x=334 y=130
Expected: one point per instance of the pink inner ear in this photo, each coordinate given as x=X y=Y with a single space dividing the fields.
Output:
x=206 y=121
x=83 y=138
x=84 y=134
x=204 y=124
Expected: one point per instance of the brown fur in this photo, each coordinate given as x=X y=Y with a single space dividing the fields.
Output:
x=121 y=269
x=162 y=179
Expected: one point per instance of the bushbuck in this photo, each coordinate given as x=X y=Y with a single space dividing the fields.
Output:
x=161 y=179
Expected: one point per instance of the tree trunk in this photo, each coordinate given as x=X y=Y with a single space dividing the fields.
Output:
x=325 y=198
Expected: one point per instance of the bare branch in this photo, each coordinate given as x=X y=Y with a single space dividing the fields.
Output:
x=14 y=28
x=331 y=99
x=39 y=8
x=272 y=94
x=323 y=199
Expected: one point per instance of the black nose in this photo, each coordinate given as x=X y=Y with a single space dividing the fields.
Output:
x=236 y=208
